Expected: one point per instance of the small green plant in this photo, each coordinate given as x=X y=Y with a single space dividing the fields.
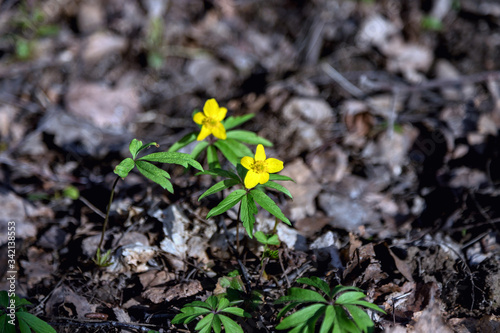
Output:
x=234 y=290
x=270 y=242
x=215 y=311
x=148 y=170
x=13 y=307
x=254 y=174
x=431 y=23
x=340 y=307
x=230 y=143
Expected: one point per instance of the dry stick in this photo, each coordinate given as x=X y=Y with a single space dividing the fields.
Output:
x=102 y=324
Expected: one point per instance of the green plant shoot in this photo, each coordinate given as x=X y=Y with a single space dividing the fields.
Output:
x=214 y=125
x=147 y=169
x=215 y=313
x=339 y=306
x=12 y=308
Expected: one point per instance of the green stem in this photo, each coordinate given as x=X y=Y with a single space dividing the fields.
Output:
x=238 y=231
x=106 y=219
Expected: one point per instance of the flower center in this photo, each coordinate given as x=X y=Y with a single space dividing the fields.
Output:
x=209 y=122
x=259 y=167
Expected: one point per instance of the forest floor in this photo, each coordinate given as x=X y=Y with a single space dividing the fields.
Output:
x=385 y=113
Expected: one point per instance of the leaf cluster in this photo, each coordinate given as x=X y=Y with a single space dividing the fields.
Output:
x=248 y=199
x=25 y=320
x=215 y=311
x=340 y=307
x=233 y=148
x=149 y=170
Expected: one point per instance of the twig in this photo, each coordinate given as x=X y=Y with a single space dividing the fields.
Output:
x=342 y=81
x=100 y=324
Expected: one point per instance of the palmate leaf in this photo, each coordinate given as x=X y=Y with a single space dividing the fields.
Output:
x=248 y=137
x=232 y=199
x=34 y=322
x=205 y=323
x=329 y=319
x=349 y=297
x=124 y=168
x=302 y=317
x=187 y=139
x=230 y=325
x=222 y=185
x=155 y=174
x=343 y=323
x=173 y=158
x=340 y=289
x=360 y=317
x=268 y=204
x=231 y=122
x=247 y=213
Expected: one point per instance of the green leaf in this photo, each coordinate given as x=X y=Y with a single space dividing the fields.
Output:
x=212 y=302
x=368 y=305
x=349 y=297
x=339 y=289
x=187 y=139
x=4 y=299
x=216 y=324
x=198 y=149
x=360 y=317
x=274 y=176
x=5 y=326
x=230 y=325
x=219 y=172
x=23 y=326
x=231 y=122
x=228 y=151
x=302 y=295
x=172 y=157
x=232 y=199
x=237 y=312
x=344 y=323
x=248 y=137
x=267 y=239
x=241 y=170
x=124 y=167
x=301 y=317
x=223 y=303
x=212 y=158
x=268 y=204
x=134 y=147
x=278 y=187
x=35 y=323
x=222 y=185
x=205 y=322
x=316 y=282
x=287 y=308
x=247 y=213
x=327 y=324
x=156 y=174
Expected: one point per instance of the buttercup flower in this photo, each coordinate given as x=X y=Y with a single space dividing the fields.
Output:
x=259 y=167
x=210 y=120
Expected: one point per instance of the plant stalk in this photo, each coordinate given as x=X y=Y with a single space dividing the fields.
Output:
x=106 y=219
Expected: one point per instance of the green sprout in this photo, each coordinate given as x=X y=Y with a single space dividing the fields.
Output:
x=13 y=307
x=236 y=293
x=340 y=307
x=231 y=143
x=215 y=311
x=148 y=170
x=268 y=241
x=254 y=181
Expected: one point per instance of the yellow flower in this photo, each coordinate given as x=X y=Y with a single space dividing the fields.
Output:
x=210 y=120
x=259 y=167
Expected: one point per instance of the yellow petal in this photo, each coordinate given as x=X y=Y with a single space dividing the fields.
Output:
x=260 y=154
x=274 y=165
x=247 y=162
x=211 y=108
x=219 y=131
x=264 y=177
x=251 y=179
x=203 y=133
x=221 y=114
x=199 y=117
